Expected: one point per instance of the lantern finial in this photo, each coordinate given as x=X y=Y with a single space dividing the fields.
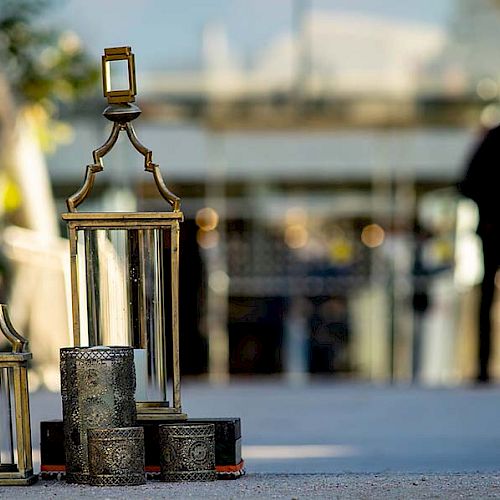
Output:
x=118 y=95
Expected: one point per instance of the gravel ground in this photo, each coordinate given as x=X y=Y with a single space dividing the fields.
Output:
x=289 y=486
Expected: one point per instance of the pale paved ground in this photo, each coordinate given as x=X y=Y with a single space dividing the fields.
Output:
x=355 y=486
x=360 y=441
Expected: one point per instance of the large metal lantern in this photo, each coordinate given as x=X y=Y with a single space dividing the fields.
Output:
x=16 y=463
x=125 y=267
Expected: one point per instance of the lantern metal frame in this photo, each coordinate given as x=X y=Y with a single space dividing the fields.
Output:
x=121 y=112
x=16 y=361
x=121 y=95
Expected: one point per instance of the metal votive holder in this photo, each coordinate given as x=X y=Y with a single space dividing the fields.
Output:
x=97 y=387
x=116 y=456
x=187 y=452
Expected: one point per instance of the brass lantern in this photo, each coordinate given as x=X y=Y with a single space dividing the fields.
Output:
x=16 y=463
x=125 y=266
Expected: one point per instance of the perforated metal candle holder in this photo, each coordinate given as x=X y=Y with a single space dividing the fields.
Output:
x=187 y=452
x=116 y=456
x=97 y=387
x=16 y=463
x=125 y=267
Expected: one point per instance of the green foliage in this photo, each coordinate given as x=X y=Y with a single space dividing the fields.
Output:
x=43 y=65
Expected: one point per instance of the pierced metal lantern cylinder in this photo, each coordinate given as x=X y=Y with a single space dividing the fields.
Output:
x=187 y=452
x=97 y=386
x=116 y=456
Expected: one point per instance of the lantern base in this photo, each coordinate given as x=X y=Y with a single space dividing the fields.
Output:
x=18 y=481
x=158 y=410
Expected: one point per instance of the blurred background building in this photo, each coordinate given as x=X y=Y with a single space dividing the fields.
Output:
x=315 y=144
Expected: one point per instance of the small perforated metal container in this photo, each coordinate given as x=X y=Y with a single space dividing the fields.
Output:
x=116 y=456
x=97 y=387
x=187 y=452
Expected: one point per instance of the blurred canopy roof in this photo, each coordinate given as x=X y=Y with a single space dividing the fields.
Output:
x=426 y=154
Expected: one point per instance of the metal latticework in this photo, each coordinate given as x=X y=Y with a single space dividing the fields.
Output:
x=116 y=456
x=97 y=386
x=187 y=452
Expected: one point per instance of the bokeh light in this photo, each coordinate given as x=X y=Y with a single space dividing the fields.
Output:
x=207 y=219
x=490 y=115
x=207 y=239
x=487 y=89
x=218 y=281
x=372 y=235
x=296 y=236
x=296 y=215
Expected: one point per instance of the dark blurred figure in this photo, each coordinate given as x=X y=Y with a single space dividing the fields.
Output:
x=329 y=336
x=420 y=300
x=425 y=268
x=482 y=184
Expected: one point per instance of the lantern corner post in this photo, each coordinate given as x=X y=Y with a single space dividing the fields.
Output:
x=175 y=316
x=75 y=302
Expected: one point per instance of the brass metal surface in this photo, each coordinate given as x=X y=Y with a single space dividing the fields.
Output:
x=16 y=364
x=121 y=95
x=79 y=196
x=75 y=299
x=18 y=342
x=175 y=315
x=152 y=414
x=121 y=217
x=121 y=112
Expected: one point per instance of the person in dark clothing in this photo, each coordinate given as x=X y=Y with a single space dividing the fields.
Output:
x=482 y=184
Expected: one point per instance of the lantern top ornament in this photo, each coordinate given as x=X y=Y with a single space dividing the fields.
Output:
x=18 y=342
x=121 y=111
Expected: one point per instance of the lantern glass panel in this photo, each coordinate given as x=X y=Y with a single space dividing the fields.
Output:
x=118 y=75
x=126 y=300
x=7 y=458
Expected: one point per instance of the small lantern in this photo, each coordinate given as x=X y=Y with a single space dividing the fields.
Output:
x=16 y=463
x=125 y=267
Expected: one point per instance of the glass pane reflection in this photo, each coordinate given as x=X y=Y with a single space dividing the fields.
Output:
x=122 y=299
